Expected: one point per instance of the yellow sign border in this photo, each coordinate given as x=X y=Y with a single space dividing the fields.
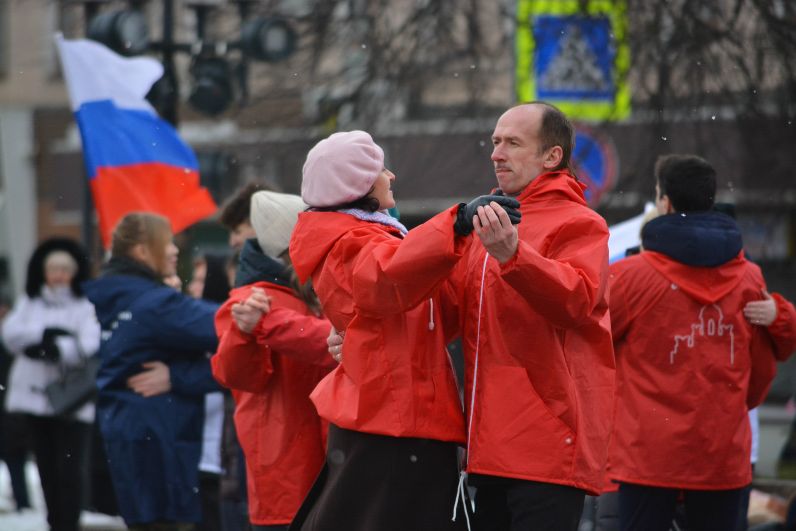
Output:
x=525 y=83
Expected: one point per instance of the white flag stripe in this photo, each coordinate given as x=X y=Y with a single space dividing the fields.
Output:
x=93 y=72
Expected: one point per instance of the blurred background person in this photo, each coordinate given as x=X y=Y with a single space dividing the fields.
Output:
x=14 y=440
x=210 y=282
x=153 y=377
x=235 y=215
x=272 y=353
x=53 y=325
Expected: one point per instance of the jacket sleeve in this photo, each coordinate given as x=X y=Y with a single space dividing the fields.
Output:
x=619 y=311
x=86 y=339
x=763 y=367
x=449 y=298
x=297 y=336
x=179 y=322
x=568 y=282
x=391 y=275
x=783 y=329
x=192 y=377
x=20 y=328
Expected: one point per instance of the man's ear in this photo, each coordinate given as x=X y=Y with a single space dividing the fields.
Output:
x=666 y=204
x=553 y=157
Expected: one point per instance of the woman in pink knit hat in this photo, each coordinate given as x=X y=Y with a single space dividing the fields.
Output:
x=393 y=404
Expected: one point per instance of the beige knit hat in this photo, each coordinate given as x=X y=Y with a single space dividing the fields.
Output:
x=273 y=216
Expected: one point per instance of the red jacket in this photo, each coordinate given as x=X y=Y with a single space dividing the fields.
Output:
x=395 y=377
x=689 y=365
x=271 y=373
x=537 y=342
x=783 y=329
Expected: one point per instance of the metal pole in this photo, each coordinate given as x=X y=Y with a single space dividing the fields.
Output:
x=87 y=214
x=169 y=111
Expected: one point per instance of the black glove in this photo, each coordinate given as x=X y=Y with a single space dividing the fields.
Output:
x=51 y=332
x=48 y=352
x=464 y=216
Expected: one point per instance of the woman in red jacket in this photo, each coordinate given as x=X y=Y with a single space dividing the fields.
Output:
x=272 y=352
x=393 y=404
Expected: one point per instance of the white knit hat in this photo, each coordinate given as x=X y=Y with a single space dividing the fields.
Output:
x=273 y=216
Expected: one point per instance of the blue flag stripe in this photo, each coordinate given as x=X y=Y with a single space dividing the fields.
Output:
x=119 y=137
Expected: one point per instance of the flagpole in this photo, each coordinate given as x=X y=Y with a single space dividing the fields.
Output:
x=169 y=111
x=89 y=11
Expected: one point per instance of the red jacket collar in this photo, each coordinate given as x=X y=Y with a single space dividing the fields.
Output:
x=555 y=182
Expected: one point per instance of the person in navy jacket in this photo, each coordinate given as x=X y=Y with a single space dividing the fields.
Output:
x=153 y=438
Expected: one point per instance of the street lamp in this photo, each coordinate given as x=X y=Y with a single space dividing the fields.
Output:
x=268 y=39
x=212 y=87
x=125 y=31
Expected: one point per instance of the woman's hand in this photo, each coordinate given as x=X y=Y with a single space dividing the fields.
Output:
x=155 y=380
x=763 y=312
x=335 y=343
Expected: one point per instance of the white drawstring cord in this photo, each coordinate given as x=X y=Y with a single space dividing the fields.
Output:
x=463 y=473
x=431 y=314
x=477 y=351
x=460 y=494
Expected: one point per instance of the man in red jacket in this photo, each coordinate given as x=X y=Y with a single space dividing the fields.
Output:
x=536 y=334
x=689 y=364
x=539 y=361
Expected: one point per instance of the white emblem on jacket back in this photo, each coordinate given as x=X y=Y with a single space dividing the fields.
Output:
x=708 y=324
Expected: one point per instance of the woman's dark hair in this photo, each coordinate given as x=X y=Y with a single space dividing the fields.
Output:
x=236 y=209
x=366 y=203
x=305 y=291
x=216 y=280
x=35 y=279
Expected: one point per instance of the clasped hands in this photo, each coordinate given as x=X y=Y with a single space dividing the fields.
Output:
x=248 y=313
x=493 y=218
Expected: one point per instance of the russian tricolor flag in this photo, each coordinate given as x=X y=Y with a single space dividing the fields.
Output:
x=135 y=160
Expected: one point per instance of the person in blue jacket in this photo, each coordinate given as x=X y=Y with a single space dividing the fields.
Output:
x=153 y=438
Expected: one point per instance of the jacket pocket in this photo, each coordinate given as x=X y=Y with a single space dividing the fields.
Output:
x=516 y=427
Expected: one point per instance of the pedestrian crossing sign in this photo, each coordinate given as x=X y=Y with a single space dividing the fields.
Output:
x=574 y=55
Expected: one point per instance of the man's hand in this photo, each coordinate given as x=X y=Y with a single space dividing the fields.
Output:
x=335 y=343
x=173 y=281
x=155 y=380
x=467 y=211
x=249 y=312
x=763 y=312
x=496 y=231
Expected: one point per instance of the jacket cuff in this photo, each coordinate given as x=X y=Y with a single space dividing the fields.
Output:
x=511 y=262
x=782 y=311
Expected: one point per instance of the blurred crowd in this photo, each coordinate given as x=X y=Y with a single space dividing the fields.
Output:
x=303 y=378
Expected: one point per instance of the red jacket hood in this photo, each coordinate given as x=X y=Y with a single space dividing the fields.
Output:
x=316 y=233
x=705 y=284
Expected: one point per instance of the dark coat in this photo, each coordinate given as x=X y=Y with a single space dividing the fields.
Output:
x=153 y=444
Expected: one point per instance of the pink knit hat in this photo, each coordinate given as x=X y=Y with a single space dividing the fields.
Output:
x=340 y=169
